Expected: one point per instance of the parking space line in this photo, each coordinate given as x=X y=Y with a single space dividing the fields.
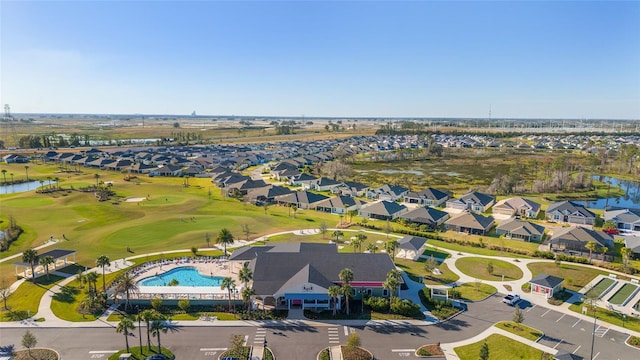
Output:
x=546 y=312
x=578 y=348
x=577 y=322
x=559 y=342
x=403 y=350
x=596 y=355
x=563 y=315
x=531 y=308
x=346 y=330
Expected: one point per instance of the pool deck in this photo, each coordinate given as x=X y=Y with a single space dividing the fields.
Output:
x=206 y=266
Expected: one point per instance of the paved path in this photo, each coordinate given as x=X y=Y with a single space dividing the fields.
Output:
x=19 y=255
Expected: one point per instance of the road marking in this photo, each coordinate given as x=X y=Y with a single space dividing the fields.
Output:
x=246 y=338
x=577 y=322
x=103 y=352
x=346 y=330
x=531 y=308
x=559 y=342
x=403 y=350
x=574 y=351
x=605 y=332
x=213 y=349
x=563 y=315
x=594 y=358
x=545 y=313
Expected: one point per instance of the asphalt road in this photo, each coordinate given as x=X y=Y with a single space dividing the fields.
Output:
x=290 y=341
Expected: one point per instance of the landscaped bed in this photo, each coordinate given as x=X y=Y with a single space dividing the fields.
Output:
x=39 y=354
x=599 y=288
x=430 y=350
x=478 y=267
x=623 y=294
x=500 y=348
x=520 y=330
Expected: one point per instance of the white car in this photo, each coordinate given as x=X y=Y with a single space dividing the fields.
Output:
x=511 y=299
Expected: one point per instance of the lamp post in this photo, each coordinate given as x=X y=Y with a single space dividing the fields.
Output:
x=139 y=329
x=593 y=334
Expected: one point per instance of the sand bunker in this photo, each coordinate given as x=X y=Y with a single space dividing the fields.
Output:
x=138 y=199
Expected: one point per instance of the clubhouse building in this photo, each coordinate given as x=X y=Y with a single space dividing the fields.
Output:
x=298 y=275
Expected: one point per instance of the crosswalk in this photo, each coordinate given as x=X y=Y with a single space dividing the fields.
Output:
x=601 y=331
x=334 y=336
x=261 y=333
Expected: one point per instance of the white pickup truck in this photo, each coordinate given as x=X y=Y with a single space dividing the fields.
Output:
x=511 y=299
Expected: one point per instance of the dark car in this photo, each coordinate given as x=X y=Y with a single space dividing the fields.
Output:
x=157 y=357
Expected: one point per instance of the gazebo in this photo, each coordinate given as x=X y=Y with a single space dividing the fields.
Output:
x=546 y=285
x=60 y=259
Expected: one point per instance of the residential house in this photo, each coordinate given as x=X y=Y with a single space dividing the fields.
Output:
x=521 y=230
x=387 y=192
x=570 y=212
x=427 y=197
x=382 y=210
x=474 y=201
x=410 y=247
x=517 y=206
x=298 y=275
x=166 y=170
x=266 y=194
x=427 y=216
x=633 y=242
x=470 y=223
x=625 y=219
x=15 y=159
x=323 y=184
x=304 y=180
x=301 y=199
x=351 y=188
x=575 y=238
x=339 y=204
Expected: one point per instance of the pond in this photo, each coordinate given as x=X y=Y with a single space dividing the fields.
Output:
x=22 y=187
x=631 y=198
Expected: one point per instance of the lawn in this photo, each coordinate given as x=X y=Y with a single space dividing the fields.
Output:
x=26 y=299
x=575 y=276
x=472 y=250
x=524 y=331
x=621 y=295
x=500 y=348
x=599 y=288
x=415 y=269
x=609 y=316
x=475 y=291
x=477 y=268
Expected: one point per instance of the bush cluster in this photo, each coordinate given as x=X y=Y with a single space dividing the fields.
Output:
x=404 y=307
x=377 y=304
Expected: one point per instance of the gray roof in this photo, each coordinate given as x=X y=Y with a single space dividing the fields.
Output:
x=411 y=242
x=302 y=197
x=281 y=266
x=425 y=215
x=545 y=280
x=385 y=208
x=569 y=207
x=521 y=227
x=518 y=203
x=633 y=243
x=55 y=254
x=471 y=220
x=429 y=193
x=340 y=202
x=477 y=197
x=578 y=234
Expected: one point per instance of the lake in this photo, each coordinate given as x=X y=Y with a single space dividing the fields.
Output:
x=22 y=187
x=631 y=198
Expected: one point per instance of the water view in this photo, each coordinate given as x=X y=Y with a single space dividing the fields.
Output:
x=631 y=198
x=185 y=276
x=22 y=187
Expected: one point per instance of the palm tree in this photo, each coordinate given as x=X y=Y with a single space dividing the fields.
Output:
x=103 y=261
x=390 y=247
x=225 y=238
x=392 y=283
x=351 y=214
x=247 y=293
x=30 y=256
x=591 y=246
x=148 y=316
x=26 y=170
x=625 y=252
x=4 y=175
x=92 y=278
x=245 y=275
x=357 y=244
x=228 y=284
x=346 y=276
x=372 y=248
x=158 y=326
x=127 y=285
x=45 y=262
x=337 y=234
x=11 y=174
x=97 y=176
x=334 y=291
x=124 y=327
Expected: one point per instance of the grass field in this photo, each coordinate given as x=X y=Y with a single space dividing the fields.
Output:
x=621 y=295
x=475 y=291
x=575 y=276
x=526 y=332
x=608 y=316
x=500 y=348
x=24 y=302
x=477 y=268
x=599 y=288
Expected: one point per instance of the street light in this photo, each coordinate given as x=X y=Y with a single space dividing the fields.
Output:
x=139 y=329
x=592 y=303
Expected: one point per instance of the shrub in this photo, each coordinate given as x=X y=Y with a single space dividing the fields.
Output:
x=353 y=340
x=377 y=304
x=404 y=307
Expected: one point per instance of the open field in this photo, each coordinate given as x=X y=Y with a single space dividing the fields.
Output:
x=475 y=291
x=500 y=348
x=478 y=268
x=575 y=277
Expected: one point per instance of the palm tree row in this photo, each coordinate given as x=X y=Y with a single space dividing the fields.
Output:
x=155 y=325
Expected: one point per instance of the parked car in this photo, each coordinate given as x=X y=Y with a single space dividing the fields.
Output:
x=511 y=299
x=612 y=231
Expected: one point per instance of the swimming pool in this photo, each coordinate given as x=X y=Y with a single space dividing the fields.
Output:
x=186 y=276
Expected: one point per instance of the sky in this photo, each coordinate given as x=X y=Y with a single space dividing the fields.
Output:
x=515 y=59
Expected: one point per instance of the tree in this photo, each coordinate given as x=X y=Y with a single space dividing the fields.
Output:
x=228 y=284
x=26 y=171
x=353 y=341
x=603 y=250
x=247 y=293
x=4 y=175
x=490 y=268
x=124 y=327
x=149 y=316
x=30 y=256
x=5 y=291
x=246 y=231
x=625 y=252
x=91 y=278
x=225 y=238
x=176 y=124
x=156 y=303
x=351 y=214
x=591 y=246
x=337 y=234
x=103 y=261
x=394 y=277
x=484 y=351
x=518 y=317
x=158 y=326
x=346 y=276
x=29 y=341
x=323 y=228
x=45 y=262
x=184 y=305
x=357 y=244
x=97 y=177
x=431 y=264
x=245 y=275
x=295 y=210
x=387 y=228
x=194 y=250
x=390 y=247
x=372 y=248
x=127 y=285
x=334 y=292
x=609 y=225
x=207 y=238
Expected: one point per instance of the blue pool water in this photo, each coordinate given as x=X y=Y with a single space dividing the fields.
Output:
x=186 y=276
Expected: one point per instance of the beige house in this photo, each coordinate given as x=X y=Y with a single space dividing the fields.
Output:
x=517 y=206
